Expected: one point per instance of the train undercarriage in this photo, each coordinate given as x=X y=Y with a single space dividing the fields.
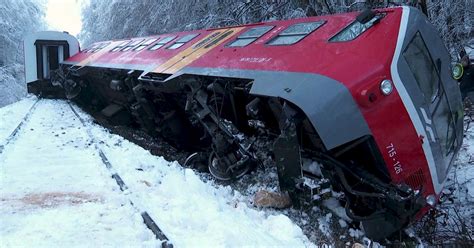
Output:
x=229 y=132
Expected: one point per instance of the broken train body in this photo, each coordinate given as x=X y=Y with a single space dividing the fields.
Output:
x=367 y=95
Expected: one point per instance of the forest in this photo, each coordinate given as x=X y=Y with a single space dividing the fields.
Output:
x=103 y=20
x=17 y=19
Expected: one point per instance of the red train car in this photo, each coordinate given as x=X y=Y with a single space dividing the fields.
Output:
x=367 y=95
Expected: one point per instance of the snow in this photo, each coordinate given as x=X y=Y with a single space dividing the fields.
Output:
x=333 y=204
x=324 y=223
x=11 y=115
x=194 y=212
x=55 y=191
x=465 y=165
x=17 y=19
x=11 y=88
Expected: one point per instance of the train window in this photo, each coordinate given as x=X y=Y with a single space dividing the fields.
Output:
x=161 y=43
x=144 y=44
x=183 y=40
x=428 y=79
x=421 y=65
x=355 y=29
x=98 y=47
x=120 y=46
x=90 y=49
x=250 y=36
x=445 y=130
x=131 y=45
x=444 y=127
x=295 y=33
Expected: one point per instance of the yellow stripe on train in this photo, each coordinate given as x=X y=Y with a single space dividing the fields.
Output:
x=194 y=52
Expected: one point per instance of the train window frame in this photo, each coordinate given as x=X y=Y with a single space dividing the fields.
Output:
x=162 y=42
x=372 y=22
x=298 y=35
x=206 y=39
x=95 y=47
x=131 y=45
x=144 y=44
x=120 y=46
x=249 y=38
x=435 y=93
x=101 y=46
x=89 y=48
x=182 y=41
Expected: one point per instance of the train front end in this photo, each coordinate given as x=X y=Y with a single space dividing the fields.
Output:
x=421 y=73
x=419 y=130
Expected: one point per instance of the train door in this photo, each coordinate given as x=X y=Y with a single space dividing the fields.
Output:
x=53 y=57
x=49 y=54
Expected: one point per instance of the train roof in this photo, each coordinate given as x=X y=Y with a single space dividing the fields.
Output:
x=324 y=45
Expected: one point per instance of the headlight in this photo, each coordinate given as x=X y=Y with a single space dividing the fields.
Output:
x=431 y=200
x=386 y=87
x=457 y=71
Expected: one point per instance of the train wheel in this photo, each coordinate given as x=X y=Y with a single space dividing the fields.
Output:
x=221 y=169
x=197 y=161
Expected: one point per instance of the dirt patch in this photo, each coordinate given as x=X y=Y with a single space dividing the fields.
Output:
x=267 y=199
x=53 y=199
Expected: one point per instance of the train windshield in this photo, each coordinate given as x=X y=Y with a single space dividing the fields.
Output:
x=355 y=29
x=429 y=82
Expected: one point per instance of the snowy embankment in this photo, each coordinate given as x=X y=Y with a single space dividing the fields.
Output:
x=464 y=171
x=55 y=191
x=12 y=83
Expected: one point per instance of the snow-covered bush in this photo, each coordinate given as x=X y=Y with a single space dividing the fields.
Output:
x=10 y=88
x=17 y=19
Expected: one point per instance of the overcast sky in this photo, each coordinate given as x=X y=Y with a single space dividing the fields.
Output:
x=64 y=15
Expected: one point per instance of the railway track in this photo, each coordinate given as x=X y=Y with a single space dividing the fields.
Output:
x=22 y=123
x=147 y=219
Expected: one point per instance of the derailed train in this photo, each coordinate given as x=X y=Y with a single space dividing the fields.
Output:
x=367 y=95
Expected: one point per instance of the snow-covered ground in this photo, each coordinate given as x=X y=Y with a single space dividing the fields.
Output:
x=55 y=191
x=464 y=169
x=11 y=115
